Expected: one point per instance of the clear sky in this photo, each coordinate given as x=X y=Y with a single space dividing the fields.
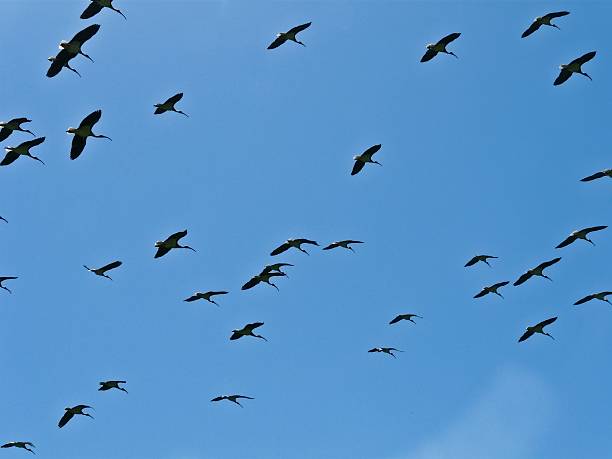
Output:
x=480 y=154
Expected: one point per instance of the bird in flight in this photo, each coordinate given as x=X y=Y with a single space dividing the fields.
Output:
x=20 y=444
x=275 y=267
x=264 y=277
x=74 y=45
x=108 y=385
x=601 y=296
x=290 y=35
x=8 y=127
x=574 y=67
x=580 y=234
x=538 y=328
x=172 y=242
x=365 y=157
x=81 y=133
x=544 y=20
x=232 y=398
x=23 y=149
x=491 y=289
x=71 y=412
x=60 y=61
x=344 y=244
x=595 y=176
x=96 y=6
x=205 y=296
x=247 y=330
x=295 y=243
x=537 y=271
x=434 y=48
x=5 y=278
x=385 y=350
x=401 y=317
x=479 y=258
x=168 y=105
x=102 y=271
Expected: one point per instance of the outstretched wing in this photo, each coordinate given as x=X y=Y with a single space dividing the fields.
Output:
x=535 y=25
x=567 y=241
x=298 y=29
x=174 y=99
x=523 y=279
x=594 y=228
x=449 y=38
x=370 y=151
x=93 y=9
x=526 y=335
x=584 y=58
x=253 y=326
x=357 y=167
x=397 y=319
x=595 y=176
x=482 y=293
x=429 y=55
x=280 y=249
x=563 y=77
x=472 y=262
x=91 y=119
x=584 y=300
x=546 y=322
x=161 y=251
x=251 y=283
x=546 y=264
x=65 y=418
x=85 y=34
x=10 y=158
x=556 y=14
x=113 y=265
x=78 y=145
x=4 y=133
x=277 y=42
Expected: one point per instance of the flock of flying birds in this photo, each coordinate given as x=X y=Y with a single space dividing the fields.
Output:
x=71 y=49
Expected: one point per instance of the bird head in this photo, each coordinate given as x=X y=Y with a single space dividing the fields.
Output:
x=63 y=44
x=158 y=244
x=538 y=19
x=51 y=58
x=430 y=45
x=71 y=130
x=9 y=148
x=562 y=66
x=157 y=105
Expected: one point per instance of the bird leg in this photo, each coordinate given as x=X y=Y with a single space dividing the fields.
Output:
x=37 y=159
x=273 y=285
x=391 y=354
x=101 y=137
x=586 y=75
x=302 y=250
x=187 y=247
x=588 y=240
x=300 y=43
x=214 y=302
x=376 y=162
x=237 y=403
x=487 y=263
x=88 y=415
x=350 y=248
x=555 y=26
x=182 y=113
x=75 y=71
x=108 y=277
x=608 y=301
x=3 y=287
x=499 y=294
x=549 y=335
x=4 y=219
x=452 y=54
x=260 y=337
x=118 y=11
x=121 y=388
x=85 y=55
x=28 y=131
x=546 y=277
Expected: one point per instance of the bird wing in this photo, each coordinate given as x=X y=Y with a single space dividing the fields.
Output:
x=357 y=167
x=253 y=326
x=4 y=133
x=176 y=236
x=174 y=99
x=220 y=292
x=32 y=143
x=192 y=298
x=65 y=418
x=563 y=77
x=85 y=34
x=472 y=262
x=593 y=229
x=370 y=151
x=482 y=293
x=298 y=29
x=333 y=245
x=277 y=42
x=78 y=145
x=526 y=335
x=306 y=241
x=567 y=241
x=546 y=322
x=449 y=38
x=108 y=267
x=251 y=283
x=244 y=396
x=161 y=251
x=546 y=264
x=556 y=14
x=584 y=58
x=584 y=300
x=218 y=399
x=396 y=319
x=523 y=279
x=280 y=249
x=93 y=9
x=500 y=284
x=374 y=349
x=595 y=176
x=91 y=119
x=10 y=157
x=62 y=58
x=535 y=25
x=429 y=55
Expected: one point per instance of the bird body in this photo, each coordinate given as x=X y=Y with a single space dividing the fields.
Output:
x=567 y=70
x=601 y=296
x=102 y=271
x=247 y=330
x=440 y=47
x=172 y=242
x=275 y=267
x=544 y=20
x=538 y=328
x=537 y=271
x=108 y=385
x=232 y=398
x=364 y=158
x=71 y=412
x=8 y=127
x=205 y=296
x=492 y=289
x=580 y=234
x=20 y=444
x=23 y=149
x=290 y=35
x=293 y=243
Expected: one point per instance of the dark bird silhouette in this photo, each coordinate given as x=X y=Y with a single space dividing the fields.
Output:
x=232 y=398
x=364 y=158
x=544 y=20
x=60 y=61
x=264 y=277
x=601 y=296
x=96 y=6
x=407 y=317
x=290 y=35
x=491 y=289
x=295 y=243
x=574 y=67
x=247 y=330
x=580 y=234
x=168 y=105
x=172 y=242
x=81 y=133
x=8 y=127
x=598 y=175
x=102 y=271
x=20 y=444
x=537 y=271
x=344 y=244
x=275 y=267
x=386 y=350
x=71 y=412
x=538 y=328
x=479 y=258
x=108 y=385
x=23 y=149
x=434 y=48
x=5 y=278
x=74 y=45
x=205 y=296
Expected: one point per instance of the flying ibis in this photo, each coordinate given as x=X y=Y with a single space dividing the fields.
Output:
x=574 y=67
x=290 y=35
x=247 y=330
x=434 y=48
x=538 y=328
x=74 y=46
x=23 y=149
x=171 y=242
x=264 y=277
x=295 y=243
x=580 y=234
x=491 y=289
x=479 y=258
x=5 y=278
x=232 y=398
x=386 y=350
x=81 y=133
x=595 y=176
x=365 y=157
x=13 y=125
x=601 y=296
x=206 y=296
x=71 y=412
x=344 y=244
x=537 y=271
x=102 y=271
x=401 y=317
x=544 y=20
x=108 y=385
x=59 y=62
x=275 y=267
x=96 y=6
x=168 y=105
x=20 y=444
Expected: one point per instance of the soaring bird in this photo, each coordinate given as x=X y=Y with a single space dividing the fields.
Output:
x=386 y=350
x=71 y=412
x=81 y=133
x=401 y=317
x=205 y=296
x=168 y=105
x=275 y=267
x=60 y=61
x=20 y=444
x=171 y=242
x=595 y=176
x=538 y=328
x=247 y=330
x=601 y=296
x=96 y=6
x=23 y=149
x=13 y=125
x=295 y=243
x=580 y=234
x=434 y=48
x=344 y=244
x=574 y=67
x=107 y=385
x=544 y=20
x=231 y=398
x=102 y=271
x=491 y=289
x=282 y=37
x=479 y=258
x=365 y=157
x=74 y=46
x=5 y=278
x=537 y=271
x=264 y=277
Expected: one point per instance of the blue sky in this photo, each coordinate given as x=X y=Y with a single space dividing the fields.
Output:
x=480 y=155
